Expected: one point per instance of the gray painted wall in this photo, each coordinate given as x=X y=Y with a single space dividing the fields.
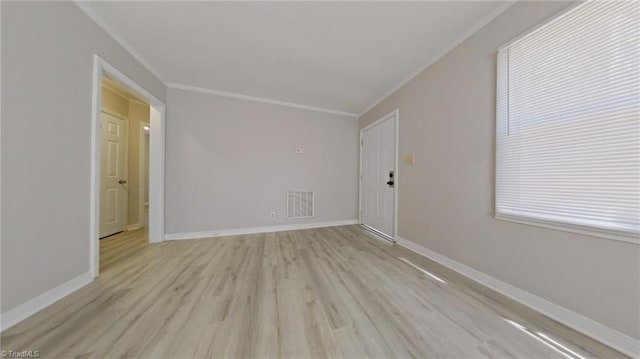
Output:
x=47 y=74
x=447 y=119
x=230 y=162
x=446 y=200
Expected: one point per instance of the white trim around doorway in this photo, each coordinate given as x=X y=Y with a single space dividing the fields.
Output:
x=142 y=174
x=156 y=158
x=395 y=113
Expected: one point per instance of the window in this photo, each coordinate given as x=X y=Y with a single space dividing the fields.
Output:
x=568 y=122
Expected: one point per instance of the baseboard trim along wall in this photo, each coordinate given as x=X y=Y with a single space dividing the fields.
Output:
x=24 y=311
x=133 y=227
x=589 y=327
x=253 y=230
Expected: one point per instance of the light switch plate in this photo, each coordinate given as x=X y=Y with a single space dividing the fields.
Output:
x=409 y=160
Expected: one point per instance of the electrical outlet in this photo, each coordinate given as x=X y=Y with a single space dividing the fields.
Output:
x=273 y=215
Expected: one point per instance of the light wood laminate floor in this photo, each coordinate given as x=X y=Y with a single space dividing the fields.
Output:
x=322 y=293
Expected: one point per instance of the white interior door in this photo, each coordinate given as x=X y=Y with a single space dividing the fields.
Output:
x=378 y=163
x=113 y=197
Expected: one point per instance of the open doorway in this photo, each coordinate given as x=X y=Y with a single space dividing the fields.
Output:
x=125 y=123
x=127 y=196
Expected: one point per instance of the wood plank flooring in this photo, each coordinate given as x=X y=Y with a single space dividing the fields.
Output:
x=322 y=293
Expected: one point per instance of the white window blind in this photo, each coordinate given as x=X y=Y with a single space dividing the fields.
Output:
x=568 y=121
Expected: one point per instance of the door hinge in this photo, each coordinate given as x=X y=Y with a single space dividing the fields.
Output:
x=361 y=142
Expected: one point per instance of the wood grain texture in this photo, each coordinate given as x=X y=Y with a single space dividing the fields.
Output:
x=334 y=292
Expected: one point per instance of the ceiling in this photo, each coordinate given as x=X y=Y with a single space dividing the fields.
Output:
x=341 y=56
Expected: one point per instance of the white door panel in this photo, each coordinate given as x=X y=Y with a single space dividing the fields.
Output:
x=378 y=161
x=112 y=173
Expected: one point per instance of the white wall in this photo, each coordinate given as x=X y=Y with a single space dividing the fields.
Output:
x=47 y=73
x=229 y=162
x=446 y=200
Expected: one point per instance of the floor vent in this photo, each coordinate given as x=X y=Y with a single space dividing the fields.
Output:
x=300 y=204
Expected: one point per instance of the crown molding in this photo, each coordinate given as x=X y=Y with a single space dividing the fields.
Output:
x=259 y=99
x=104 y=26
x=82 y=5
x=485 y=20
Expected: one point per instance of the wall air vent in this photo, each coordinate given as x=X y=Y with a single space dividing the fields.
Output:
x=300 y=204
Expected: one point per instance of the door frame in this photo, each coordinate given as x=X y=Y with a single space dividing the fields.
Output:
x=125 y=211
x=395 y=113
x=156 y=158
x=142 y=176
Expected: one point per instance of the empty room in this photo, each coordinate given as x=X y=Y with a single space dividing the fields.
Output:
x=325 y=179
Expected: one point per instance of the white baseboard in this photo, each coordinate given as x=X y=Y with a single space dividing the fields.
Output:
x=252 y=230
x=14 y=316
x=133 y=227
x=589 y=327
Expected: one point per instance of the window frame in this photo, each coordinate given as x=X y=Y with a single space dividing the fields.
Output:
x=530 y=220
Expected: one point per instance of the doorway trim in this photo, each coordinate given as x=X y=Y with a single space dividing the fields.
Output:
x=156 y=158
x=142 y=175
x=396 y=176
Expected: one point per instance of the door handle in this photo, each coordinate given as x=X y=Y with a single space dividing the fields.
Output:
x=122 y=181
x=390 y=182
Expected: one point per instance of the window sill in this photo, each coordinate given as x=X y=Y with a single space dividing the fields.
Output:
x=616 y=236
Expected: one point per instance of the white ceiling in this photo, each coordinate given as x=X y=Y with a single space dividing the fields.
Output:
x=342 y=56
